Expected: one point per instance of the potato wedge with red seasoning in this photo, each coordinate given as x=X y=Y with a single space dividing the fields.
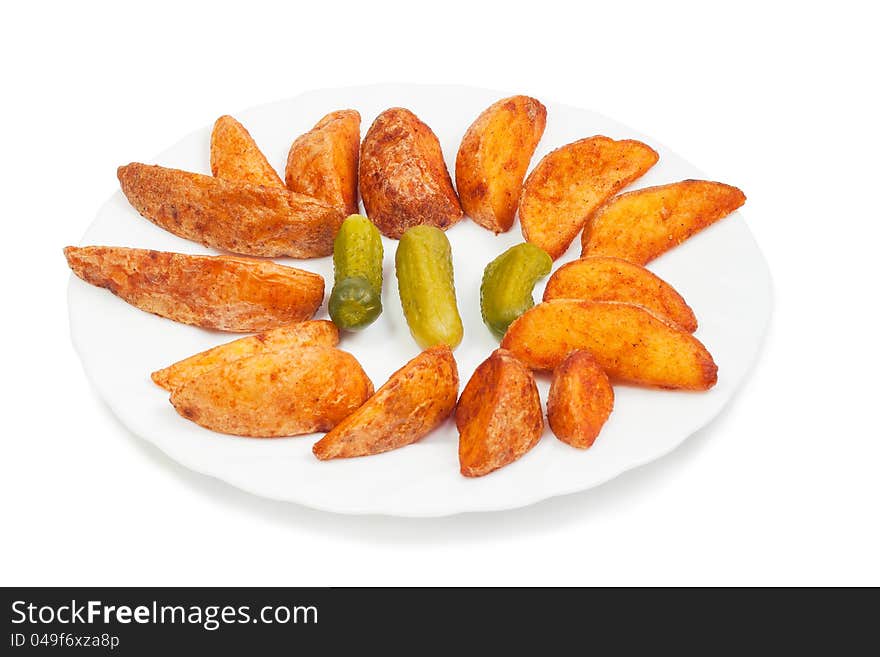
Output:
x=493 y=158
x=499 y=415
x=226 y=293
x=236 y=157
x=233 y=216
x=319 y=333
x=629 y=342
x=323 y=163
x=273 y=394
x=613 y=279
x=643 y=224
x=403 y=177
x=580 y=401
x=569 y=183
x=413 y=402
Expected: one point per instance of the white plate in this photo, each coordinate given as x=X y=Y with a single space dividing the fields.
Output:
x=720 y=272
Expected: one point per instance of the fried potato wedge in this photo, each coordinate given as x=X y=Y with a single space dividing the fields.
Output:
x=233 y=216
x=641 y=225
x=226 y=293
x=273 y=394
x=569 y=183
x=323 y=163
x=493 y=158
x=629 y=342
x=580 y=401
x=318 y=333
x=235 y=155
x=403 y=178
x=499 y=415
x=413 y=402
x=613 y=279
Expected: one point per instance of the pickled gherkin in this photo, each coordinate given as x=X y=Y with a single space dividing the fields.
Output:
x=508 y=281
x=427 y=287
x=356 y=299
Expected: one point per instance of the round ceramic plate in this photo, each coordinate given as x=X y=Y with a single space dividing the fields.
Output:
x=720 y=272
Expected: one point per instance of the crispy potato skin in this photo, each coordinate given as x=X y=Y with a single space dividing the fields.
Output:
x=413 y=402
x=273 y=394
x=235 y=155
x=226 y=293
x=613 y=279
x=403 y=178
x=569 y=183
x=580 y=401
x=305 y=334
x=629 y=342
x=323 y=163
x=233 y=216
x=641 y=225
x=493 y=159
x=499 y=415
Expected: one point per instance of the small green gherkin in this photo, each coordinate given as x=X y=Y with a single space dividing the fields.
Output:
x=508 y=281
x=427 y=287
x=356 y=299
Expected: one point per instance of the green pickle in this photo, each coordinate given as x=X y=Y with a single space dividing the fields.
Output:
x=356 y=299
x=427 y=287
x=508 y=281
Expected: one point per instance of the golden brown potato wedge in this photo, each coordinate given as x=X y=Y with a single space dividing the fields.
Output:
x=236 y=157
x=323 y=163
x=580 y=401
x=218 y=292
x=403 y=178
x=640 y=225
x=413 y=402
x=318 y=333
x=233 y=216
x=613 y=279
x=629 y=342
x=572 y=181
x=499 y=415
x=272 y=394
x=493 y=158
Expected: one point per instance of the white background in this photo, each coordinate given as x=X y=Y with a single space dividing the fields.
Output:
x=779 y=99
